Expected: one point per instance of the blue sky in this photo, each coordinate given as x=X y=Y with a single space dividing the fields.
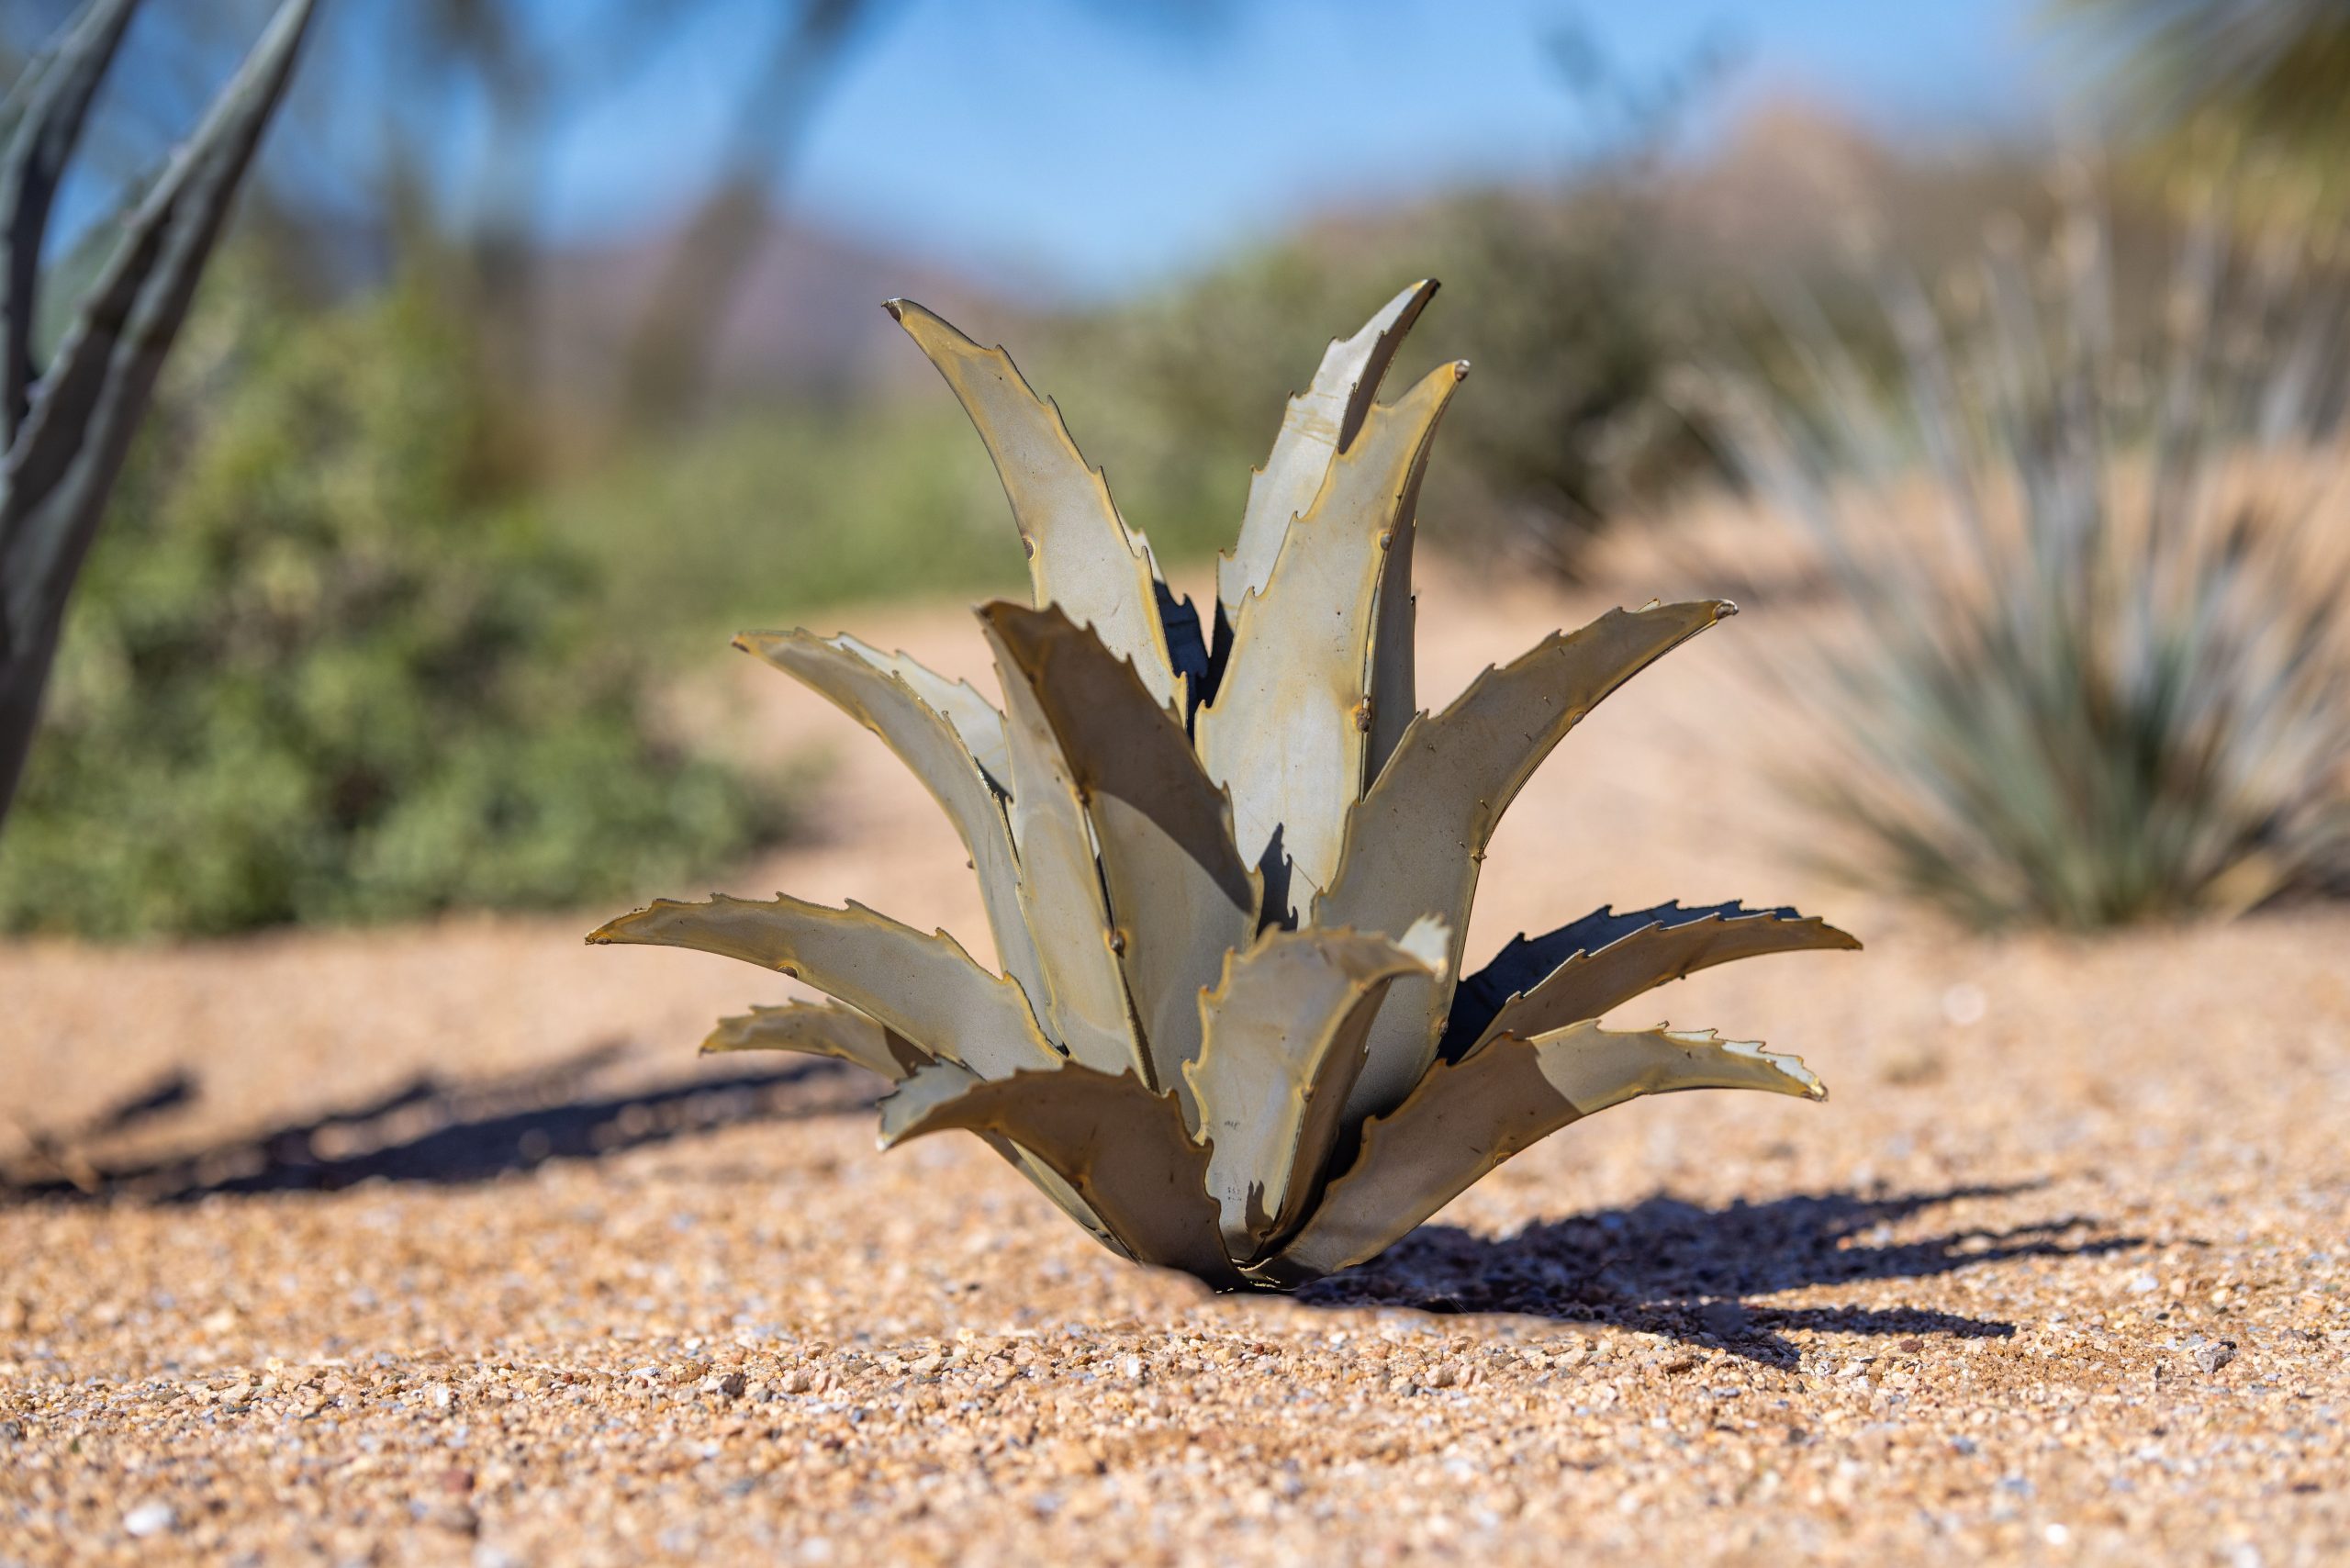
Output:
x=1053 y=140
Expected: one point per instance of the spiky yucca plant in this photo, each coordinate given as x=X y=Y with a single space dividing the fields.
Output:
x=1228 y=874
x=66 y=426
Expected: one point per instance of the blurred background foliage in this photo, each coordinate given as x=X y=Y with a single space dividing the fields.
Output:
x=434 y=509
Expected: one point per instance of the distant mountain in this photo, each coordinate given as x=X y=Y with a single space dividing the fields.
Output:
x=809 y=318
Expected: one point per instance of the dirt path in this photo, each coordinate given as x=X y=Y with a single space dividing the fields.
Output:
x=2059 y=1274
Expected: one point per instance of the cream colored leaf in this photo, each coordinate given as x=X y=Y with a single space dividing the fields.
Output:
x=819 y=1029
x=1180 y=898
x=1318 y=423
x=1416 y=839
x=1288 y=728
x=1085 y=1006
x=925 y=988
x=1580 y=971
x=976 y=720
x=1080 y=554
x=1283 y=1035
x=1467 y=1118
x=875 y=691
x=1121 y=1149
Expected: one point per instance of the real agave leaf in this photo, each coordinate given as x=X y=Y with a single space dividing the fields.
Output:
x=1180 y=897
x=925 y=988
x=1392 y=683
x=1080 y=554
x=1467 y=1118
x=1283 y=1032
x=1123 y=1150
x=65 y=451
x=1535 y=985
x=44 y=126
x=1318 y=423
x=1289 y=729
x=819 y=1029
x=876 y=690
x=83 y=412
x=1415 y=841
x=1085 y=1005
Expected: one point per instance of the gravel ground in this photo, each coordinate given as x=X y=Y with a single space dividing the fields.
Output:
x=431 y=1246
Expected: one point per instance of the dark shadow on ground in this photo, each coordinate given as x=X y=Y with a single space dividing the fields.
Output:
x=439 y=1131
x=1671 y=1268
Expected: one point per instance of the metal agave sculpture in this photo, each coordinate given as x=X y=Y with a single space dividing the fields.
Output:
x=1229 y=873
x=65 y=427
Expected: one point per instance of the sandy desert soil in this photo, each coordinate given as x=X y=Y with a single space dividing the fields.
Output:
x=434 y=1245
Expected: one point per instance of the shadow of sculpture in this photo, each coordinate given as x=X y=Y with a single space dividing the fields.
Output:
x=436 y=1130
x=1671 y=1268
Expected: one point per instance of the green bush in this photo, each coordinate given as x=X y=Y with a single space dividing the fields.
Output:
x=1556 y=302
x=322 y=667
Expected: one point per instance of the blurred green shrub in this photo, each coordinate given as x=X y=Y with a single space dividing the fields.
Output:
x=2098 y=668
x=1559 y=303
x=325 y=665
x=778 y=512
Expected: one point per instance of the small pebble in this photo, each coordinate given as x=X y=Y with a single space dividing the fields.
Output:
x=2212 y=1357
x=149 y=1519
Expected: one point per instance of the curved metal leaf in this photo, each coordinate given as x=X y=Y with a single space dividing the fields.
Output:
x=1416 y=839
x=978 y=720
x=1289 y=728
x=1284 y=1029
x=1467 y=1118
x=819 y=1029
x=1080 y=554
x=925 y=988
x=1180 y=898
x=875 y=691
x=1318 y=423
x=1085 y=1006
x=1122 y=1149
x=1537 y=984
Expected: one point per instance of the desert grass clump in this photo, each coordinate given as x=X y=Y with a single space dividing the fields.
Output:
x=2096 y=667
x=1228 y=863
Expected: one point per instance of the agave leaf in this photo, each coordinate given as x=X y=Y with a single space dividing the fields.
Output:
x=1319 y=423
x=925 y=988
x=819 y=1029
x=875 y=691
x=1467 y=1118
x=1289 y=728
x=1180 y=897
x=1085 y=1005
x=49 y=108
x=978 y=720
x=1080 y=554
x=1537 y=984
x=1122 y=1149
x=1393 y=684
x=76 y=423
x=845 y=1034
x=1284 y=1029
x=1416 y=839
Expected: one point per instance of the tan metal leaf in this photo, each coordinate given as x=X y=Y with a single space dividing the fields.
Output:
x=1180 y=898
x=1318 y=423
x=1080 y=555
x=1284 y=1030
x=1416 y=839
x=1085 y=1005
x=1467 y=1118
x=1122 y=1149
x=1580 y=971
x=926 y=987
x=875 y=690
x=819 y=1029
x=1288 y=729
x=976 y=720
